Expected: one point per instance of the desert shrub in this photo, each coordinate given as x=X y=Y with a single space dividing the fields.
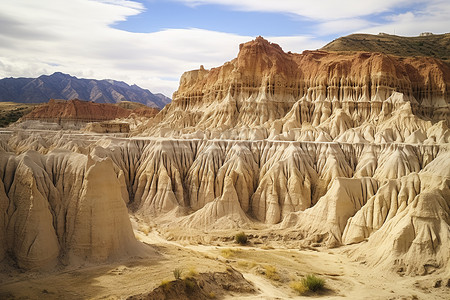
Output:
x=211 y=295
x=271 y=272
x=313 y=283
x=227 y=253
x=177 y=273
x=241 y=238
x=298 y=287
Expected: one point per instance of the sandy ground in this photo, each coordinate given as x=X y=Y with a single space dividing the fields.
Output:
x=270 y=269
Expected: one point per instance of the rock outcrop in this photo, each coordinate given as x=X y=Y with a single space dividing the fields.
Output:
x=82 y=111
x=273 y=92
x=62 y=207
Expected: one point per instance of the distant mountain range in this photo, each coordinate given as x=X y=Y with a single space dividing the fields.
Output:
x=63 y=86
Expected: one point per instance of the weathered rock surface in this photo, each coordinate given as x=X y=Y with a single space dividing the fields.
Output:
x=329 y=193
x=202 y=287
x=273 y=93
x=62 y=207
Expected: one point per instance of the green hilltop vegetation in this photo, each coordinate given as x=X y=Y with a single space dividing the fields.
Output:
x=427 y=44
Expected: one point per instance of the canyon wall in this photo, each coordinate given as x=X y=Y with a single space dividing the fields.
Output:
x=269 y=92
x=328 y=193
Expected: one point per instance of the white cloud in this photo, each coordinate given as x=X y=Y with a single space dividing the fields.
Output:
x=343 y=26
x=431 y=18
x=347 y=16
x=297 y=44
x=317 y=10
x=75 y=37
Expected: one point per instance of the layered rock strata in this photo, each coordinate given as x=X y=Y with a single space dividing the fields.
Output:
x=272 y=92
x=84 y=111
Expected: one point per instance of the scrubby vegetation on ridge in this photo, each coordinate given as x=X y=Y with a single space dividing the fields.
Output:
x=435 y=45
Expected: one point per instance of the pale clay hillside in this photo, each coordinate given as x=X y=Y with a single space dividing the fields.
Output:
x=333 y=163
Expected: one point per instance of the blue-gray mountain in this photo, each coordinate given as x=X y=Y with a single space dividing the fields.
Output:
x=64 y=86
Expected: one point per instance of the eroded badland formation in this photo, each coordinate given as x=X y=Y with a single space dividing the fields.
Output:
x=333 y=163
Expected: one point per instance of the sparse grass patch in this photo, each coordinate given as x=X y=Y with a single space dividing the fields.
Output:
x=227 y=253
x=192 y=272
x=271 y=272
x=211 y=295
x=243 y=264
x=246 y=264
x=298 y=287
x=177 y=273
x=165 y=284
x=241 y=238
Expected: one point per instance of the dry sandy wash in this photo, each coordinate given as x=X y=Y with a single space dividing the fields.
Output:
x=336 y=164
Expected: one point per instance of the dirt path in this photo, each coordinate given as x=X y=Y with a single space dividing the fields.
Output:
x=345 y=278
x=271 y=270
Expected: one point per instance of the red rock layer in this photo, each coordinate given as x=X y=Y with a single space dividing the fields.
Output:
x=77 y=110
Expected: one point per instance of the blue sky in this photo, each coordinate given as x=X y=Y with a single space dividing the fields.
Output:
x=160 y=15
x=152 y=42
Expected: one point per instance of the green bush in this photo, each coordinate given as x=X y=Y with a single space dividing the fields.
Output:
x=241 y=238
x=177 y=273
x=313 y=283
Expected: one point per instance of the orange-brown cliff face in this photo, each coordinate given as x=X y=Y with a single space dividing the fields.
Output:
x=263 y=83
x=77 y=110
